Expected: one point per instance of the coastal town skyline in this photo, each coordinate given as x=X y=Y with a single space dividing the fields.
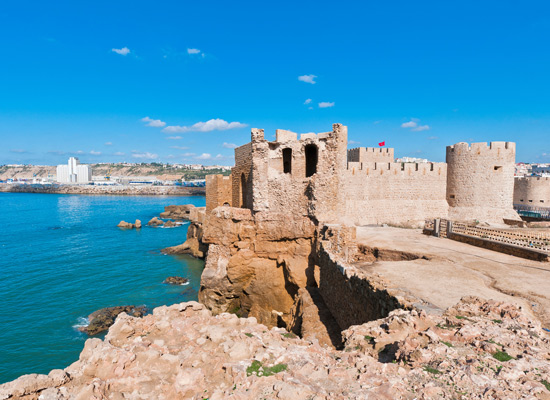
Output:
x=185 y=83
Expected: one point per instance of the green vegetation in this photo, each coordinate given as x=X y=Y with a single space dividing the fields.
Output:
x=448 y=344
x=497 y=321
x=289 y=335
x=463 y=317
x=237 y=311
x=249 y=334
x=502 y=356
x=546 y=384
x=432 y=370
x=256 y=368
x=369 y=338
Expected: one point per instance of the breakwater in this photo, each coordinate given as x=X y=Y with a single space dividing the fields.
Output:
x=144 y=190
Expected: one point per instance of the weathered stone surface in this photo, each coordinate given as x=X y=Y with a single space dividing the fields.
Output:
x=137 y=224
x=170 y=224
x=182 y=351
x=125 y=225
x=193 y=245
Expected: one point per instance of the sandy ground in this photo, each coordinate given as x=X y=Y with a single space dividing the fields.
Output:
x=457 y=269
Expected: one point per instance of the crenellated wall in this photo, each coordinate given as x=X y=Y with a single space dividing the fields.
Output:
x=371 y=154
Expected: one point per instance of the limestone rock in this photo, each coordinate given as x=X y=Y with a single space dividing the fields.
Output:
x=170 y=224
x=137 y=224
x=125 y=225
x=178 y=213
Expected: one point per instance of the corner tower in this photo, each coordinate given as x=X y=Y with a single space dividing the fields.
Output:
x=480 y=181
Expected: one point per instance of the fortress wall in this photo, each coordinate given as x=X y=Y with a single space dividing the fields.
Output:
x=480 y=181
x=371 y=154
x=396 y=193
x=532 y=191
x=243 y=165
x=218 y=191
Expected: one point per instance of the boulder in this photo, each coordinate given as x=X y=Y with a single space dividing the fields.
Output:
x=102 y=319
x=155 y=222
x=125 y=225
x=170 y=224
x=176 y=280
x=137 y=224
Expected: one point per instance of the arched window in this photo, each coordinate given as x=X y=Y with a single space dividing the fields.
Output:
x=243 y=191
x=311 y=159
x=287 y=161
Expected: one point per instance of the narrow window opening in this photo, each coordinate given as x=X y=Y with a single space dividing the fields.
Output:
x=243 y=191
x=452 y=196
x=498 y=167
x=287 y=161
x=311 y=160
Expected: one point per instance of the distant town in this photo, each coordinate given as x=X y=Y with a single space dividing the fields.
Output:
x=110 y=174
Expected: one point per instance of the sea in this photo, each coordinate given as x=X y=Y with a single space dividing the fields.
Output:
x=62 y=257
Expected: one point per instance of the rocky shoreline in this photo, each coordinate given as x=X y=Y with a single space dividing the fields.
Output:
x=476 y=350
x=106 y=190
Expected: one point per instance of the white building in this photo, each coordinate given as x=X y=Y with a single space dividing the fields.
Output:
x=74 y=172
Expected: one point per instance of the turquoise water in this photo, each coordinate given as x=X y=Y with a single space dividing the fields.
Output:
x=62 y=257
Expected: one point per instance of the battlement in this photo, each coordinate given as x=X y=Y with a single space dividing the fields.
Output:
x=370 y=154
x=532 y=178
x=481 y=147
x=392 y=168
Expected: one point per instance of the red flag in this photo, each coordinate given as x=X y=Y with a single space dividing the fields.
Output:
x=382 y=143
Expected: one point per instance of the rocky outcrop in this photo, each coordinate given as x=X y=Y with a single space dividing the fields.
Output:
x=255 y=264
x=477 y=350
x=105 y=190
x=194 y=245
x=102 y=319
x=129 y=225
x=170 y=224
x=176 y=280
x=177 y=213
x=155 y=222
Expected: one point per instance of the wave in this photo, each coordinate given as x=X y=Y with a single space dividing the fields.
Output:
x=82 y=323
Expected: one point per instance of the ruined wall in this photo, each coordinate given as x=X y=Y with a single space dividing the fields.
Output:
x=370 y=154
x=395 y=193
x=480 y=181
x=219 y=191
x=241 y=175
x=532 y=191
x=297 y=190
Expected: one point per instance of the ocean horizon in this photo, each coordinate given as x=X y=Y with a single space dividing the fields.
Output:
x=63 y=257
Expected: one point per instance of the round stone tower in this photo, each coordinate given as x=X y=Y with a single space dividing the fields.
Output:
x=480 y=181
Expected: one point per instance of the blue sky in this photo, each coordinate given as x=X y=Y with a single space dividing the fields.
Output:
x=87 y=78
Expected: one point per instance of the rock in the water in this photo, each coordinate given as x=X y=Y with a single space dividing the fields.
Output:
x=170 y=224
x=179 y=213
x=137 y=224
x=125 y=225
x=102 y=319
x=155 y=222
x=176 y=280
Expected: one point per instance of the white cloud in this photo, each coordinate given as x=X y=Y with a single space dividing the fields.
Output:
x=307 y=101
x=204 y=156
x=432 y=138
x=179 y=147
x=208 y=126
x=326 y=104
x=79 y=152
x=174 y=137
x=95 y=153
x=119 y=153
x=155 y=123
x=193 y=51
x=229 y=145
x=353 y=142
x=310 y=108
x=19 y=151
x=123 y=52
x=108 y=143
x=421 y=128
x=410 y=124
x=189 y=154
x=146 y=155
x=308 y=79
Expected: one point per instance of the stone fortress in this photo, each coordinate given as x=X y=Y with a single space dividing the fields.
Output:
x=317 y=176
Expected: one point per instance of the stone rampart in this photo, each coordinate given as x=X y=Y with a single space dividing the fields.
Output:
x=395 y=193
x=532 y=191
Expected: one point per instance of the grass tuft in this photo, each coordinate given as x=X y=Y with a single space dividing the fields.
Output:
x=502 y=356
x=256 y=368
